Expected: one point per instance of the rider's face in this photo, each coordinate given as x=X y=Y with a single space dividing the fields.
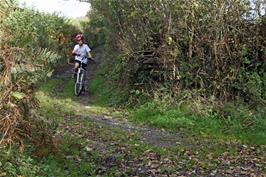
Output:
x=80 y=42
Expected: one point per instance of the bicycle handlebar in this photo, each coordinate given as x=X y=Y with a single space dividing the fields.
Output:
x=75 y=54
x=84 y=57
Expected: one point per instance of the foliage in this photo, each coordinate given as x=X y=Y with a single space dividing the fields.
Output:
x=238 y=125
x=32 y=43
x=107 y=93
x=94 y=29
x=63 y=163
x=31 y=29
x=14 y=164
x=213 y=48
x=191 y=114
x=105 y=146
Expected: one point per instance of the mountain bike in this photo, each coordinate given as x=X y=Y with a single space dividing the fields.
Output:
x=80 y=78
x=80 y=83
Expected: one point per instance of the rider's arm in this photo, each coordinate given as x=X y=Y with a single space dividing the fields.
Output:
x=74 y=52
x=88 y=50
x=89 y=55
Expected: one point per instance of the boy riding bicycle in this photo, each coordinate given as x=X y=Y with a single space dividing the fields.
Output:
x=81 y=52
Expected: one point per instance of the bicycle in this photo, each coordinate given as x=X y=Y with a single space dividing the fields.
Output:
x=80 y=83
x=80 y=78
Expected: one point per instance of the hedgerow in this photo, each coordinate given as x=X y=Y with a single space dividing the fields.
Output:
x=32 y=44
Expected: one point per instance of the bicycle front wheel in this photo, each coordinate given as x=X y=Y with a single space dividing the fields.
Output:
x=78 y=88
x=79 y=82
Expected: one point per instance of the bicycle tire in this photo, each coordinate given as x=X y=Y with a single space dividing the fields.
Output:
x=77 y=86
x=77 y=89
x=79 y=83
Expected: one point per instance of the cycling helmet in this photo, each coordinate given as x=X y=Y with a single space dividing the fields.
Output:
x=79 y=37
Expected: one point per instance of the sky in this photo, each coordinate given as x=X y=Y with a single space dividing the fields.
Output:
x=68 y=8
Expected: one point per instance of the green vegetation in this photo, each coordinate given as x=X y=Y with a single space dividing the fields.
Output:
x=32 y=44
x=175 y=66
x=64 y=162
x=173 y=118
x=79 y=156
x=190 y=117
x=80 y=141
x=106 y=94
x=195 y=69
x=56 y=102
x=73 y=155
x=79 y=22
x=14 y=164
x=92 y=27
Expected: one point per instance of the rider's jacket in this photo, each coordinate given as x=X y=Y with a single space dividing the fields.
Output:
x=82 y=51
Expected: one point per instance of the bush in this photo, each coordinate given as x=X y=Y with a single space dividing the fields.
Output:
x=181 y=43
x=208 y=47
x=14 y=164
x=32 y=43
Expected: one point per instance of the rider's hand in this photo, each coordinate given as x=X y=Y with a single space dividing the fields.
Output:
x=92 y=59
x=75 y=54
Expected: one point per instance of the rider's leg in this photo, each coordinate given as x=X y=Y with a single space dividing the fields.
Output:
x=76 y=67
x=77 y=63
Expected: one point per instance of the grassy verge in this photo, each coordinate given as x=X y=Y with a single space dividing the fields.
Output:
x=15 y=164
x=106 y=94
x=238 y=127
x=174 y=118
x=64 y=163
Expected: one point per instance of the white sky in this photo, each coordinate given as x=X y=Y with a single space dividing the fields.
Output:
x=68 y=8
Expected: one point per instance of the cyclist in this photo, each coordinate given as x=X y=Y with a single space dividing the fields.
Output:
x=81 y=52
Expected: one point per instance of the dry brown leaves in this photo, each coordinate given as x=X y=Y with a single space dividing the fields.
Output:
x=15 y=124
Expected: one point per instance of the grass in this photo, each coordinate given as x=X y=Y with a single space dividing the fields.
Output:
x=57 y=102
x=173 y=118
x=15 y=164
x=163 y=115
x=64 y=163
x=55 y=107
x=67 y=163
x=106 y=94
